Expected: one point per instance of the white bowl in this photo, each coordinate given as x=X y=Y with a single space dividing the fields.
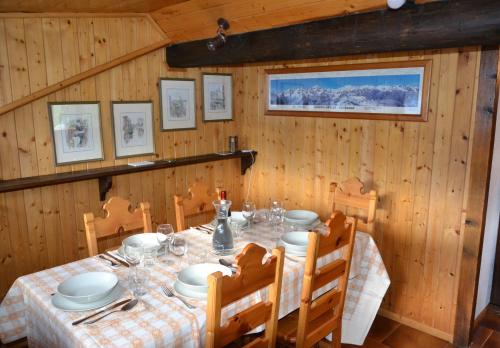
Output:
x=147 y=240
x=301 y=217
x=194 y=278
x=237 y=217
x=88 y=287
x=295 y=241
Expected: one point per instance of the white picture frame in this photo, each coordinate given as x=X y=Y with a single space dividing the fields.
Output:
x=76 y=132
x=217 y=97
x=133 y=128
x=177 y=104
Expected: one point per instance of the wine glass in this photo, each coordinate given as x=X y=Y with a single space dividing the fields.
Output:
x=248 y=212
x=133 y=252
x=164 y=234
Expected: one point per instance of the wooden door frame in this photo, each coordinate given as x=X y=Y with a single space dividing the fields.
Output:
x=495 y=290
x=477 y=199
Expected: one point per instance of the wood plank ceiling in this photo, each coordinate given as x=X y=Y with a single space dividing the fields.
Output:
x=92 y=6
x=186 y=20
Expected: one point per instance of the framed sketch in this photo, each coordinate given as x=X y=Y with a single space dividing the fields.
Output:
x=388 y=91
x=76 y=132
x=177 y=102
x=217 y=97
x=133 y=128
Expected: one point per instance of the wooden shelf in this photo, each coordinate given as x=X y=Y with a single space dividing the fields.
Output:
x=104 y=175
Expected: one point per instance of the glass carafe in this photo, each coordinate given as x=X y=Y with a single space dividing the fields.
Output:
x=222 y=241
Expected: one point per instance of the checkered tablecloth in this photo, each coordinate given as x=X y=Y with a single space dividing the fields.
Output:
x=158 y=321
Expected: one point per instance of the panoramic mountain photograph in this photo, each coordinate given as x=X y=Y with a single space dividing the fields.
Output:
x=369 y=93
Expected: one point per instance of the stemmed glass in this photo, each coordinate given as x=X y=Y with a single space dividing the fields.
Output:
x=164 y=235
x=138 y=275
x=276 y=215
x=133 y=252
x=248 y=211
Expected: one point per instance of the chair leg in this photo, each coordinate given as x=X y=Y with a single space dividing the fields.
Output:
x=336 y=337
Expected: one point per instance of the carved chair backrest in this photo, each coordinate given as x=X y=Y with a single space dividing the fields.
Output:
x=251 y=275
x=199 y=202
x=323 y=315
x=351 y=194
x=119 y=219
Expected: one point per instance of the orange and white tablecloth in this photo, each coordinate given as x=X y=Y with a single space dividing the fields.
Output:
x=158 y=321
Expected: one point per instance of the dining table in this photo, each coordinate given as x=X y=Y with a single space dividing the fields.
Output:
x=161 y=321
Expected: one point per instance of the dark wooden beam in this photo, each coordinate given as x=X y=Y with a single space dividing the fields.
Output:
x=439 y=24
x=477 y=199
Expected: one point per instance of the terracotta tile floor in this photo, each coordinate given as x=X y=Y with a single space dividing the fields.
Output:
x=386 y=333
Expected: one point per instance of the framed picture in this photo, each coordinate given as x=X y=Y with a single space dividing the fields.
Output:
x=133 y=128
x=177 y=102
x=76 y=131
x=388 y=91
x=217 y=97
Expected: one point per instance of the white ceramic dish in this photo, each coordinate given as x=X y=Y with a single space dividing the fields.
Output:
x=87 y=287
x=237 y=217
x=180 y=290
x=295 y=242
x=148 y=241
x=297 y=238
x=69 y=306
x=194 y=278
x=301 y=217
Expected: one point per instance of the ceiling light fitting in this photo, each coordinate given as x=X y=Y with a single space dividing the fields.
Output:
x=220 y=38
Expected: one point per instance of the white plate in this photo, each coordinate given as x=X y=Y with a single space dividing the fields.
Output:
x=194 y=278
x=148 y=241
x=237 y=217
x=301 y=217
x=69 y=306
x=188 y=293
x=87 y=287
x=298 y=239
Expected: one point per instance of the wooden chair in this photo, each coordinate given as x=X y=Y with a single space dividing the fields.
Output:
x=119 y=218
x=251 y=276
x=351 y=194
x=315 y=319
x=199 y=202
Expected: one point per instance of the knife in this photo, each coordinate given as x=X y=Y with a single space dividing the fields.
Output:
x=117 y=259
x=101 y=311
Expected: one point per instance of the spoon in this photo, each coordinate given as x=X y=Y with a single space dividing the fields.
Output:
x=228 y=264
x=126 y=307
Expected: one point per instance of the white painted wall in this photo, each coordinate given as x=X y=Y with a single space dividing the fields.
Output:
x=491 y=227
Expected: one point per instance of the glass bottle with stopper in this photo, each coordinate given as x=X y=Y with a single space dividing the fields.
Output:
x=222 y=240
x=223 y=196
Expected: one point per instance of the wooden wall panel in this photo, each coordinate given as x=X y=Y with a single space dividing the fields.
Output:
x=43 y=227
x=418 y=169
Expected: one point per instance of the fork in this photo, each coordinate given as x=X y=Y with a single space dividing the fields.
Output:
x=169 y=293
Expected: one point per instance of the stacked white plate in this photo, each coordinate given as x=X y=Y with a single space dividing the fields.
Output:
x=192 y=281
x=147 y=240
x=87 y=291
x=302 y=218
x=295 y=243
x=237 y=217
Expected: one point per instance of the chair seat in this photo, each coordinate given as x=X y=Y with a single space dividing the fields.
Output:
x=287 y=327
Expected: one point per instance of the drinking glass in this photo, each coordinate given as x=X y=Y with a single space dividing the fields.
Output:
x=138 y=280
x=237 y=230
x=164 y=234
x=248 y=211
x=133 y=252
x=178 y=246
